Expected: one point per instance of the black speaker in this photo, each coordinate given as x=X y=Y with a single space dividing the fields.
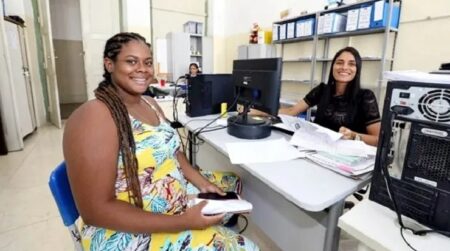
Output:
x=414 y=150
x=206 y=93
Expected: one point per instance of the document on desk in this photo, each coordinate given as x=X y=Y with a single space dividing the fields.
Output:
x=315 y=137
x=262 y=151
x=350 y=166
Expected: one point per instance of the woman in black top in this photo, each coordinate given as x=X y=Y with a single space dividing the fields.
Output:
x=341 y=104
x=194 y=70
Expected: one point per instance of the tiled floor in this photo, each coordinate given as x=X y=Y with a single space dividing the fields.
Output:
x=29 y=219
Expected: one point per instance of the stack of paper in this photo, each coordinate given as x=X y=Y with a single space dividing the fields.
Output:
x=348 y=157
x=351 y=166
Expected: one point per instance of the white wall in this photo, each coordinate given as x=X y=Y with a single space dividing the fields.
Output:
x=424 y=35
x=136 y=17
x=241 y=14
x=66 y=20
x=14 y=7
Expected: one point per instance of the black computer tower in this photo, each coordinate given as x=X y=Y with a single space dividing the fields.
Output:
x=414 y=152
x=206 y=93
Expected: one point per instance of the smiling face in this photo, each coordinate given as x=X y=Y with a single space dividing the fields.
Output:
x=132 y=70
x=344 y=68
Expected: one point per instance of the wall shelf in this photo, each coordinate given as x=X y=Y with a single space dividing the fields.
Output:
x=316 y=51
x=186 y=48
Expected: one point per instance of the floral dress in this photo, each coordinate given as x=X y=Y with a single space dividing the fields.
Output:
x=164 y=190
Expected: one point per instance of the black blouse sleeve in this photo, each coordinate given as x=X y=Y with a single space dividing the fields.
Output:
x=369 y=107
x=313 y=97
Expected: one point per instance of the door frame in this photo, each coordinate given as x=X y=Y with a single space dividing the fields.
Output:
x=49 y=62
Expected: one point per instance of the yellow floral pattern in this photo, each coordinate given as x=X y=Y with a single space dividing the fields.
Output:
x=164 y=190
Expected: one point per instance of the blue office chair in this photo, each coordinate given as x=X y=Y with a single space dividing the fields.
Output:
x=60 y=187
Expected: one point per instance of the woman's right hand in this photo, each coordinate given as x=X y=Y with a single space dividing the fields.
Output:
x=196 y=220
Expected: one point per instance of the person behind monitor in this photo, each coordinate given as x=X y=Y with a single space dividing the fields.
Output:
x=193 y=70
x=342 y=105
x=128 y=175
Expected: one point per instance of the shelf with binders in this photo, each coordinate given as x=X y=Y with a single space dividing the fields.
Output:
x=294 y=40
x=356 y=32
x=309 y=57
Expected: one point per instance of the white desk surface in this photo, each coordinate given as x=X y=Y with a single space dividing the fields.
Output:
x=304 y=183
x=377 y=227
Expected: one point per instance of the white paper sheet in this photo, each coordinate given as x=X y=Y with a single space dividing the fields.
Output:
x=290 y=123
x=262 y=151
x=314 y=137
x=379 y=11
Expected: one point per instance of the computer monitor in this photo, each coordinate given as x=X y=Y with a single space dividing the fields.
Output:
x=257 y=85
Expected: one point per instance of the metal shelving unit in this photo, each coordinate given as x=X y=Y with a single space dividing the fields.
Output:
x=314 y=59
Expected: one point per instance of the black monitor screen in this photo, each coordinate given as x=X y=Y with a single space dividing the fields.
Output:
x=258 y=83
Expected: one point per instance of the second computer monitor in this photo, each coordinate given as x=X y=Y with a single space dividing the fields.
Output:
x=258 y=83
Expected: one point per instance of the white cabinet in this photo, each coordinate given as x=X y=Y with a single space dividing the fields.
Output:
x=251 y=51
x=185 y=48
x=17 y=106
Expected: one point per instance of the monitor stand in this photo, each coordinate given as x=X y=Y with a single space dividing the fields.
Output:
x=246 y=126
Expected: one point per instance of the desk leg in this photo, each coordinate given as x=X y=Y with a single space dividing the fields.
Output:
x=333 y=231
x=192 y=144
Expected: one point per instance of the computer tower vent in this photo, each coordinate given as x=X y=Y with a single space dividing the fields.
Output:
x=414 y=151
x=430 y=156
x=435 y=105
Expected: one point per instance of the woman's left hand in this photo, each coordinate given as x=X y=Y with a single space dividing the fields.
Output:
x=211 y=188
x=347 y=133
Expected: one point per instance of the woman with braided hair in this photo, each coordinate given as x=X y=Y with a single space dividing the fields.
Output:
x=127 y=173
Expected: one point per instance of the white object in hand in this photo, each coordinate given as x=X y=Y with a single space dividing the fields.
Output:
x=224 y=206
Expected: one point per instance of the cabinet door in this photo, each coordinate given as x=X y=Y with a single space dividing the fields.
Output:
x=19 y=81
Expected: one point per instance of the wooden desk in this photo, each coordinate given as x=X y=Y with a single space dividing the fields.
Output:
x=297 y=203
x=377 y=228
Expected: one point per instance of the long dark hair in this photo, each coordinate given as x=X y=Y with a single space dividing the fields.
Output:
x=196 y=66
x=353 y=87
x=107 y=93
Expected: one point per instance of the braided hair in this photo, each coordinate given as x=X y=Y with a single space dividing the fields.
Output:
x=107 y=93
